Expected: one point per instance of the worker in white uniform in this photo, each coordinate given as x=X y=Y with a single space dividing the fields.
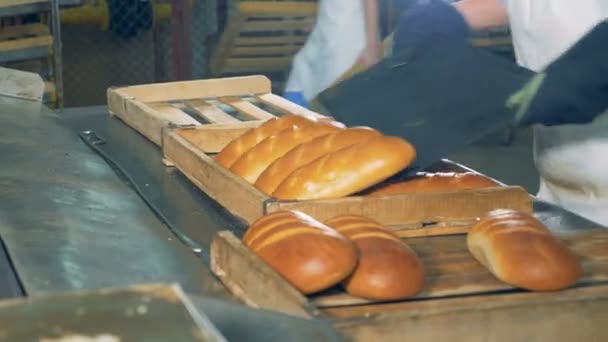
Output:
x=571 y=157
x=346 y=34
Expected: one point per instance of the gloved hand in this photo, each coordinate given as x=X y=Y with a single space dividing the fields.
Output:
x=571 y=90
x=426 y=20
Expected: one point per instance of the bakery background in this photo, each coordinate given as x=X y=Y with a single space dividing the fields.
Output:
x=123 y=42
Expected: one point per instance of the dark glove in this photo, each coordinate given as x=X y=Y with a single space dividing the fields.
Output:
x=571 y=90
x=426 y=20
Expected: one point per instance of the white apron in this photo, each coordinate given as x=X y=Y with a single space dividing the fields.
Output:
x=572 y=159
x=332 y=48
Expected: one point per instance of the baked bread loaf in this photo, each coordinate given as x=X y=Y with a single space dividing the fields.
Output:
x=231 y=152
x=436 y=182
x=388 y=269
x=308 y=254
x=519 y=250
x=307 y=152
x=348 y=171
x=253 y=162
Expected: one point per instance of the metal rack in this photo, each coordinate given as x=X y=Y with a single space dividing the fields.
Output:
x=23 y=39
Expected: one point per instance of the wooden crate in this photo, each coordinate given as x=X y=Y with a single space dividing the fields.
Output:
x=461 y=300
x=151 y=108
x=193 y=120
x=28 y=36
x=263 y=36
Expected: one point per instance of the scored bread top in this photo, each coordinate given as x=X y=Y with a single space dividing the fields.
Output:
x=253 y=162
x=521 y=251
x=309 y=151
x=237 y=147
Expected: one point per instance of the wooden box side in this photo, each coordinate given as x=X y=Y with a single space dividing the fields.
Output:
x=230 y=191
x=577 y=314
x=251 y=280
x=417 y=214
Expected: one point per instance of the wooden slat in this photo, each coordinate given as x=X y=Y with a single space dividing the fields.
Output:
x=215 y=137
x=259 y=64
x=244 y=273
x=265 y=50
x=451 y=269
x=276 y=25
x=258 y=41
x=577 y=314
x=286 y=106
x=246 y=108
x=19 y=44
x=277 y=9
x=199 y=89
x=22 y=31
x=210 y=112
x=11 y=3
x=415 y=208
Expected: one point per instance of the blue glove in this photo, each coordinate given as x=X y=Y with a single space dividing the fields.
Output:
x=571 y=90
x=427 y=20
x=297 y=98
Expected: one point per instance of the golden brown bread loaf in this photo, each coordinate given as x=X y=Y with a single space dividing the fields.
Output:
x=388 y=269
x=436 y=182
x=348 y=171
x=253 y=162
x=309 y=151
x=308 y=254
x=229 y=154
x=519 y=250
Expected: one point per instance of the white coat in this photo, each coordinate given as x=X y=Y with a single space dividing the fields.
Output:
x=332 y=48
x=572 y=159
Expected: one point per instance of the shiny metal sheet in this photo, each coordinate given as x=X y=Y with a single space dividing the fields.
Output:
x=70 y=223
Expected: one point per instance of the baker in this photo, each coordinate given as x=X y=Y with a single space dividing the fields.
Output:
x=566 y=42
x=345 y=36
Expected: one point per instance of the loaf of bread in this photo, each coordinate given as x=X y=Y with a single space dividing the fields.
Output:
x=236 y=148
x=253 y=162
x=388 y=269
x=348 y=171
x=307 y=152
x=436 y=182
x=308 y=254
x=519 y=250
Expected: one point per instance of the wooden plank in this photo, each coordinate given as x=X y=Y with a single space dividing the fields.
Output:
x=259 y=64
x=230 y=191
x=253 y=281
x=246 y=108
x=250 y=51
x=199 y=89
x=451 y=270
x=223 y=49
x=214 y=137
x=277 y=9
x=151 y=120
x=286 y=106
x=277 y=25
x=403 y=209
x=280 y=40
x=11 y=3
x=25 y=43
x=21 y=31
x=577 y=314
x=210 y=112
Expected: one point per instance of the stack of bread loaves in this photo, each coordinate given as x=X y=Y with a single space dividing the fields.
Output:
x=301 y=158
x=368 y=259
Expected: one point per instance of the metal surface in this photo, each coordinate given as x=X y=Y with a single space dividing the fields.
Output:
x=107 y=315
x=70 y=223
x=9 y=284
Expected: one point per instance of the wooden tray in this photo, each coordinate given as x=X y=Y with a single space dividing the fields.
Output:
x=235 y=102
x=461 y=300
x=192 y=120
